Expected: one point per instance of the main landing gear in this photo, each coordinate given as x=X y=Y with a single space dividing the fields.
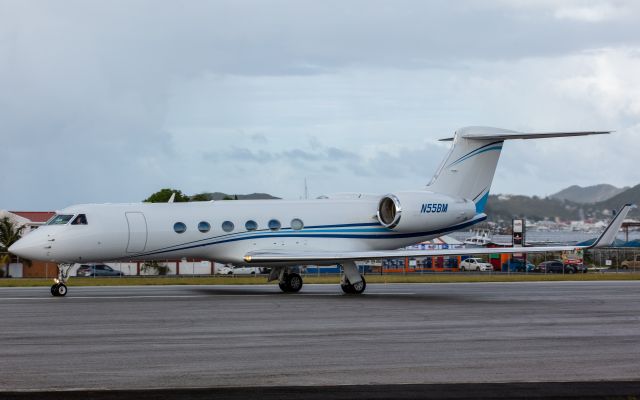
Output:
x=290 y=282
x=352 y=282
x=355 y=288
x=59 y=288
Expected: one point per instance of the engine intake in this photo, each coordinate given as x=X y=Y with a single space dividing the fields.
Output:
x=389 y=211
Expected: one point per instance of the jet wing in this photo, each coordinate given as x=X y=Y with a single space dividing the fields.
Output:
x=319 y=257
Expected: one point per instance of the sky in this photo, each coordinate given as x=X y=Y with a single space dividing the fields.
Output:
x=110 y=101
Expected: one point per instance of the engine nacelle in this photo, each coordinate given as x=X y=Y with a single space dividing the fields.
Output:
x=423 y=211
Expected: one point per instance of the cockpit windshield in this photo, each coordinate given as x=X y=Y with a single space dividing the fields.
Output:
x=81 y=219
x=61 y=219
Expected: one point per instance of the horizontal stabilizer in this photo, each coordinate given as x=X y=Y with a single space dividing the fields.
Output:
x=486 y=133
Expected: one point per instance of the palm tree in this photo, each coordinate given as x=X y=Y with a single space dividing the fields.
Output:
x=10 y=232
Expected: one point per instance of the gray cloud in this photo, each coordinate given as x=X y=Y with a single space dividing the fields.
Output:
x=111 y=101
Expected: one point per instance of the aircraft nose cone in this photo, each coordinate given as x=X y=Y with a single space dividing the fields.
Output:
x=17 y=248
x=26 y=248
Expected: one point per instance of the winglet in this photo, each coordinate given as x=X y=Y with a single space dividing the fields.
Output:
x=609 y=235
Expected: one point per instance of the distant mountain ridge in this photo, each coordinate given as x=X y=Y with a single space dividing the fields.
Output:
x=506 y=207
x=589 y=194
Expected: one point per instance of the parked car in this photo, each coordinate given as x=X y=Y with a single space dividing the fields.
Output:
x=97 y=270
x=634 y=262
x=556 y=267
x=475 y=264
x=224 y=270
x=517 y=265
x=247 y=270
x=581 y=268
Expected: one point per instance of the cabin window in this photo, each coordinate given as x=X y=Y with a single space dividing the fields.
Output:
x=204 y=227
x=251 y=225
x=60 y=219
x=297 y=224
x=81 y=219
x=179 y=227
x=274 y=225
x=227 y=226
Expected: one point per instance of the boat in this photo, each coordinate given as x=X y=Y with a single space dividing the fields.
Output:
x=481 y=238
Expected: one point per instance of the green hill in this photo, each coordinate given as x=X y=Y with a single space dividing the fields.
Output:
x=505 y=207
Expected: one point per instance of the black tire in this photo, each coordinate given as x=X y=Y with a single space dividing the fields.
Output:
x=54 y=289
x=61 y=289
x=347 y=288
x=462 y=268
x=283 y=286
x=478 y=269
x=358 y=288
x=294 y=282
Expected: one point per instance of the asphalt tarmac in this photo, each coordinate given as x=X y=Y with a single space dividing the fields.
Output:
x=256 y=338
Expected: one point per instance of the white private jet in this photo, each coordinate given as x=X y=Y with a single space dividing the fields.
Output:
x=339 y=229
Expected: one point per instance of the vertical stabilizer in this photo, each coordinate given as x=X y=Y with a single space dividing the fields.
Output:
x=467 y=171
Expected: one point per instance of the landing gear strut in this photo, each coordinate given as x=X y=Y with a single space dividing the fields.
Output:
x=352 y=282
x=59 y=288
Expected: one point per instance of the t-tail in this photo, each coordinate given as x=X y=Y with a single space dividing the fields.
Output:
x=468 y=169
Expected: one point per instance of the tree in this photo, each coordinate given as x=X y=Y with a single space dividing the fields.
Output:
x=10 y=233
x=164 y=195
x=201 y=197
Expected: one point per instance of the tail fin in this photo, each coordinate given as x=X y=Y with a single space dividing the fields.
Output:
x=468 y=170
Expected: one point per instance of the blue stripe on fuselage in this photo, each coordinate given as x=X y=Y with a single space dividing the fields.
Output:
x=302 y=234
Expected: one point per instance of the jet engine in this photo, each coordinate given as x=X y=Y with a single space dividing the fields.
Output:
x=423 y=211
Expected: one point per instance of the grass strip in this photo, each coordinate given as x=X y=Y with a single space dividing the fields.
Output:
x=331 y=279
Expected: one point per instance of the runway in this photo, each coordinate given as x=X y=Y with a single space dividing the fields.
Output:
x=254 y=336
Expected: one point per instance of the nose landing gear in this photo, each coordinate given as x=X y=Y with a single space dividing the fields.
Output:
x=59 y=288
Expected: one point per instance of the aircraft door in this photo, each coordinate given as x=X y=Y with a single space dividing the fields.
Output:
x=137 y=232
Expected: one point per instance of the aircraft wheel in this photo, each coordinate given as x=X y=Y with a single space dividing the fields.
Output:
x=59 y=289
x=291 y=283
x=347 y=288
x=294 y=282
x=358 y=288
x=62 y=289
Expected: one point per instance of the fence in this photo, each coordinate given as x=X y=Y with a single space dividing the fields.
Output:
x=606 y=260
